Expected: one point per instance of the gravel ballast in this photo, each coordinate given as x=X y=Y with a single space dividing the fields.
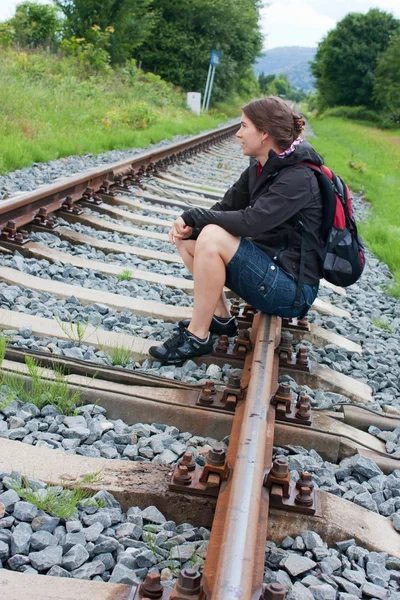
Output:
x=105 y=544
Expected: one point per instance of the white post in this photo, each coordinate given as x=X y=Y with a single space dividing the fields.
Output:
x=209 y=91
x=207 y=84
x=194 y=101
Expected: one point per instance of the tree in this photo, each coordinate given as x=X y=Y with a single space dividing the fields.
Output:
x=131 y=20
x=264 y=81
x=347 y=57
x=36 y=24
x=387 y=79
x=186 y=31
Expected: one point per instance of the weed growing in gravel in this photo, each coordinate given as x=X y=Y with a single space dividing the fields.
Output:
x=59 y=501
x=40 y=391
x=381 y=324
x=118 y=355
x=125 y=275
x=77 y=332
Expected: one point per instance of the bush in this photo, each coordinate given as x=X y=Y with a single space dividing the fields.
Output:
x=36 y=24
x=7 y=34
x=355 y=113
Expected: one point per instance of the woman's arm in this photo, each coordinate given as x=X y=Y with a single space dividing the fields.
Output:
x=288 y=195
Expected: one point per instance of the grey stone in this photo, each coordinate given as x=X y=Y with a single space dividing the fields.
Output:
x=105 y=544
x=295 y=565
x=45 y=523
x=77 y=421
x=151 y=513
x=330 y=564
x=20 y=539
x=299 y=592
x=347 y=586
x=146 y=558
x=167 y=457
x=93 y=532
x=47 y=558
x=183 y=552
x=356 y=577
x=343 y=545
x=298 y=543
x=374 y=591
x=57 y=571
x=122 y=574
x=365 y=466
x=287 y=542
x=75 y=557
x=17 y=562
x=25 y=511
x=72 y=539
x=323 y=592
x=4 y=551
x=41 y=539
x=102 y=516
x=9 y=499
x=366 y=501
x=396 y=521
x=129 y=530
x=89 y=570
x=311 y=539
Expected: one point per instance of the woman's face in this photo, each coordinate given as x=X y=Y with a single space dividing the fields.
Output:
x=251 y=138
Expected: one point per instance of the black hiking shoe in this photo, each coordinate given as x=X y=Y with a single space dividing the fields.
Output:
x=226 y=327
x=181 y=346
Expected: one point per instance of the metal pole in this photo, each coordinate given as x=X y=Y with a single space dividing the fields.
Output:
x=207 y=84
x=209 y=91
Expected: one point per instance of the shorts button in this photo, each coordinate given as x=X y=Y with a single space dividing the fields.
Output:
x=273 y=267
x=262 y=288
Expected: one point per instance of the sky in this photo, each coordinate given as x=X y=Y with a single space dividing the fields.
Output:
x=288 y=22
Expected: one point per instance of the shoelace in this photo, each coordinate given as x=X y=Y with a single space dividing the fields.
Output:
x=176 y=339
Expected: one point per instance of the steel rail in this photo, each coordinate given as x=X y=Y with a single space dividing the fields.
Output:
x=235 y=559
x=24 y=206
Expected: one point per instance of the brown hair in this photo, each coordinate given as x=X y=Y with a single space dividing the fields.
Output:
x=275 y=117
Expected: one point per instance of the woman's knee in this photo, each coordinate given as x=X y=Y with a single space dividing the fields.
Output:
x=185 y=246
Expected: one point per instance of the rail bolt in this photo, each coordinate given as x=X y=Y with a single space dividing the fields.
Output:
x=206 y=397
x=222 y=345
x=189 y=582
x=182 y=475
x=280 y=468
x=274 y=591
x=151 y=587
x=302 y=356
x=187 y=461
x=304 y=497
x=234 y=381
x=305 y=480
x=209 y=385
x=217 y=455
x=283 y=393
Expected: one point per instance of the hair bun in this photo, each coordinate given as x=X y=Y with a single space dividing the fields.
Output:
x=299 y=123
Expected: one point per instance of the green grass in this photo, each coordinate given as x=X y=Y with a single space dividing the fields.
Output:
x=368 y=159
x=381 y=324
x=125 y=275
x=58 y=501
x=40 y=391
x=76 y=331
x=49 y=109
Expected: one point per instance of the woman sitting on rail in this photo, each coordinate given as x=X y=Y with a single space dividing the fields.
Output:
x=251 y=241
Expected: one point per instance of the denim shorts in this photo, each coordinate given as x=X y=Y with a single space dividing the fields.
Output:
x=254 y=276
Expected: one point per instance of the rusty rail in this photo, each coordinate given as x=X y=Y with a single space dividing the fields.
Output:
x=243 y=501
x=24 y=207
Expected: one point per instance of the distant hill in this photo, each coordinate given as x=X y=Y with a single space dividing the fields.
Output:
x=292 y=60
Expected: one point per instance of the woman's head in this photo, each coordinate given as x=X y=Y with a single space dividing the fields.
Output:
x=271 y=115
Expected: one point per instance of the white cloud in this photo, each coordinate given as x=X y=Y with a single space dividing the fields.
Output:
x=305 y=22
x=294 y=23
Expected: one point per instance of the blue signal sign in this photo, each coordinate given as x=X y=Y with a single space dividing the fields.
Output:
x=214 y=58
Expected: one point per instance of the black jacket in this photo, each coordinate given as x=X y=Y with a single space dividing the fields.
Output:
x=266 y=209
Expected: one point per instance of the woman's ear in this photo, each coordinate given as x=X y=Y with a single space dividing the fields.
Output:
x=264 y=137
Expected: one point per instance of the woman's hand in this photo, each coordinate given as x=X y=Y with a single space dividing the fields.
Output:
x=179 y=230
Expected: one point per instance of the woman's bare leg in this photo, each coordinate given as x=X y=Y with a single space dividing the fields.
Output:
x=213 y=250
x=187 y=249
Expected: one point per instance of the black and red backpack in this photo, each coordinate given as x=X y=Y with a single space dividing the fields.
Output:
x=339 y=246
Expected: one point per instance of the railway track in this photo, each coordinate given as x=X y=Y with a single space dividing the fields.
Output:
x=209 y=459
